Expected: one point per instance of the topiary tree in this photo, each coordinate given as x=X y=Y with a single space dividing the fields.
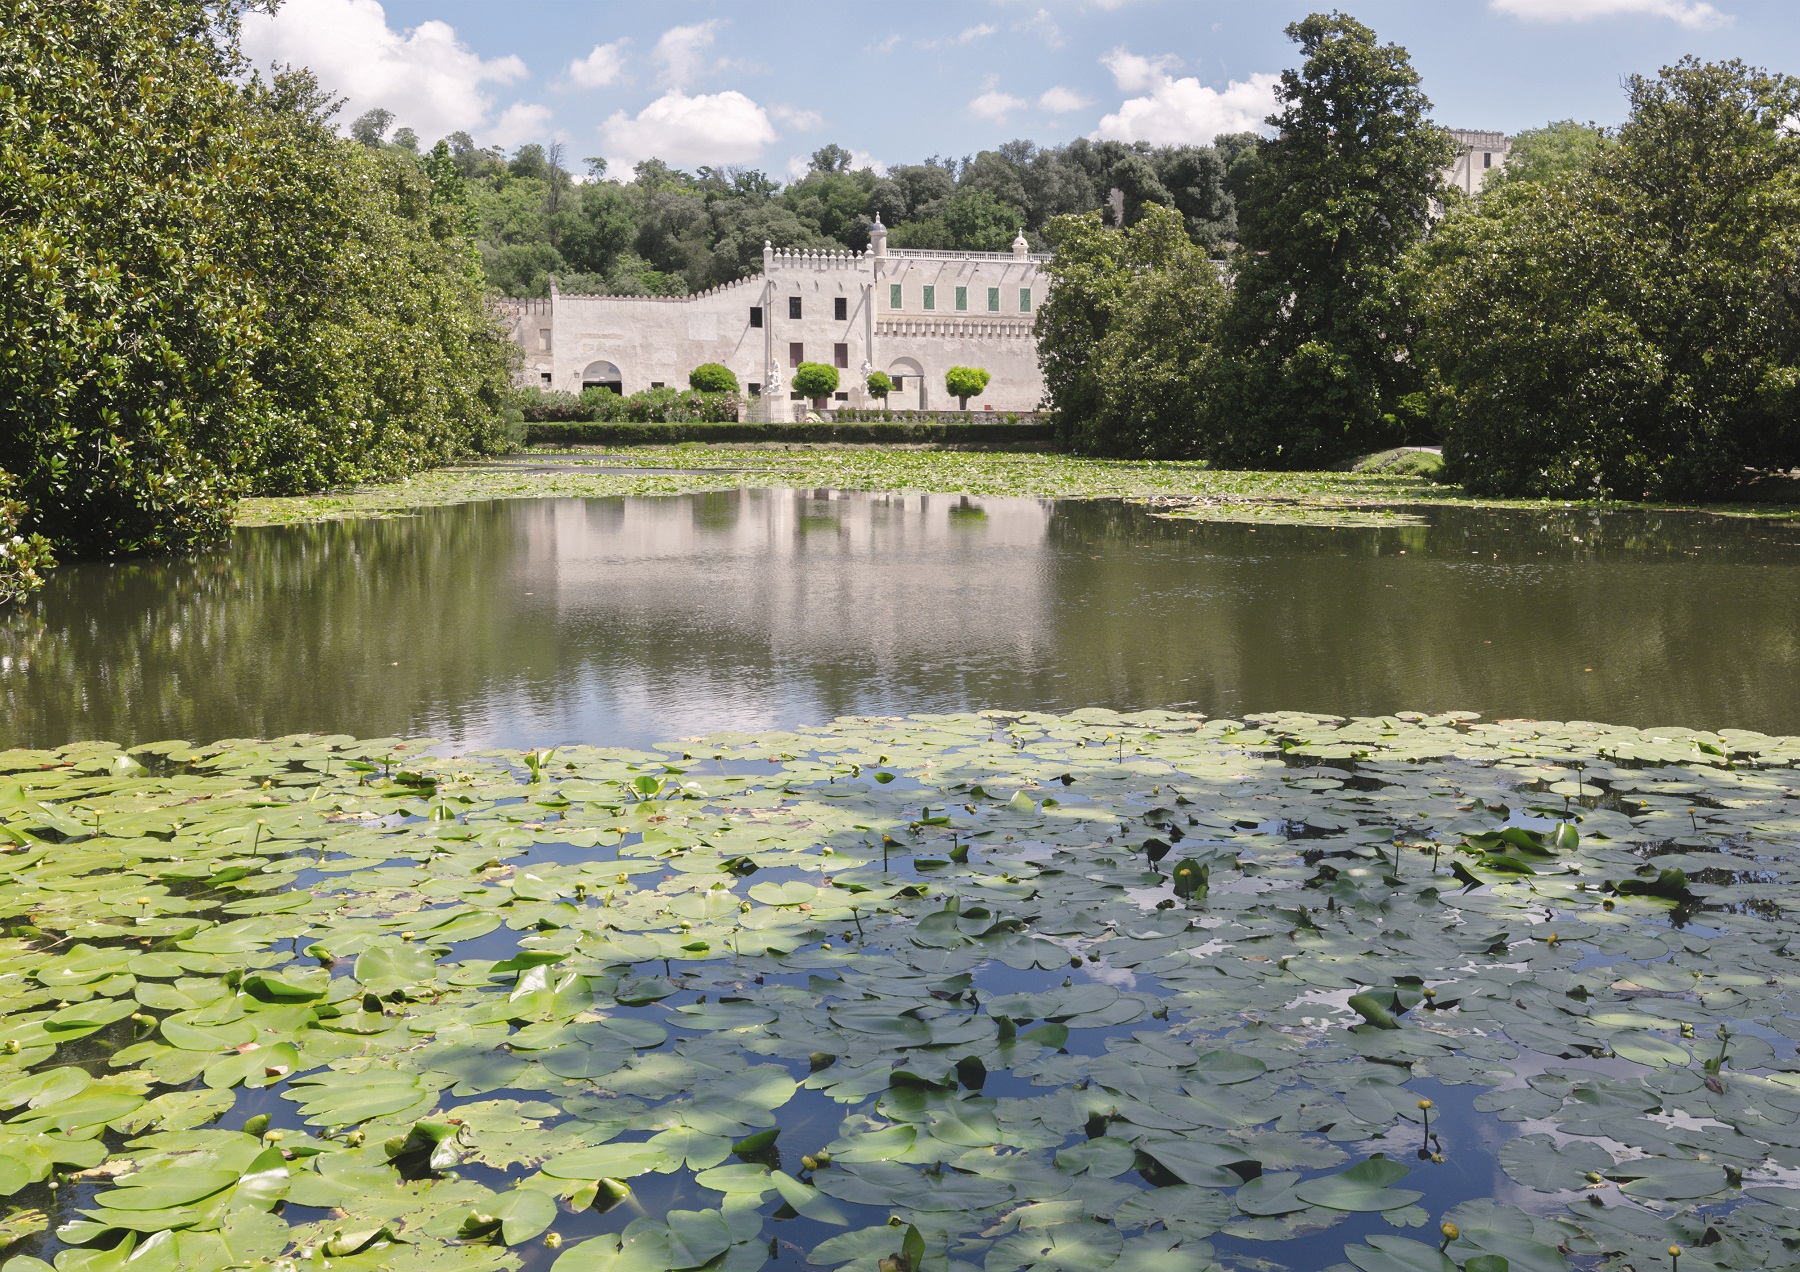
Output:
x=817 y=381
x=965 y=383
x=712 y=377
x=880 y=386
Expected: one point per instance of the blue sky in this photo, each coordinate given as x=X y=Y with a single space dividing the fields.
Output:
x=764 y=84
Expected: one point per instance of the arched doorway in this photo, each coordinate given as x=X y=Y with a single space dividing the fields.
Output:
x=603 y=375
x=909 y=385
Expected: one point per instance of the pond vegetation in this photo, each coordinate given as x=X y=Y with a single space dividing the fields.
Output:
x=1003 y=991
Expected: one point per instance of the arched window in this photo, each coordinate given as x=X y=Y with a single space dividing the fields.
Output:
x=603 y=375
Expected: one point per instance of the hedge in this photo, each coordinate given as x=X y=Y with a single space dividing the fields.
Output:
x=617 y=434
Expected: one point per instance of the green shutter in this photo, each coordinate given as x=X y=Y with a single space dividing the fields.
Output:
x=1024 y=300
x=893 y=295
x=993 y=300
x=930 y=301
x=962 y=299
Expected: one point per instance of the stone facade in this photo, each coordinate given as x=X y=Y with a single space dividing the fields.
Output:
x=1481 y=154
x=912 y=314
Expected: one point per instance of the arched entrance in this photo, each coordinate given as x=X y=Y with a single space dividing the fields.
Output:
x=909 y=385
x=603 y=375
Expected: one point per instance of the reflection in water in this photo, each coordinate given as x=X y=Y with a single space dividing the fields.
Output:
x=632 y=620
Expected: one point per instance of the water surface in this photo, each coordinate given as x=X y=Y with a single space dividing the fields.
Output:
x=630 y=620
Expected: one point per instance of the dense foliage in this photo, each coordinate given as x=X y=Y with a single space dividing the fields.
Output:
x=23 y=557
x=1318 y=327
x=815 y=380
x=713 y=377
x=1126 y=337
x=880 y=385
x=662 y=231
x=203 y=291
x=964 y=383
x=648 y=406
x=1629 y=326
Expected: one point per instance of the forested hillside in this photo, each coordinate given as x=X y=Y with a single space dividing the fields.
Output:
x=661 y=231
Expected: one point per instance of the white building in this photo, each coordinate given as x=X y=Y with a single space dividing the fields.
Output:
x=1479 y=156
x=912 y=314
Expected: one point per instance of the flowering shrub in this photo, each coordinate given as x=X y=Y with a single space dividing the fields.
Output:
x=23 y=557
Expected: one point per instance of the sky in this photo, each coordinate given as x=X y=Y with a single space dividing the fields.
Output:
x=764 y=83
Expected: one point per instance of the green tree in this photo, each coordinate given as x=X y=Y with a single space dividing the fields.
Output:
x=712 y=377
x=1554 y=152
x=880 y=385
x=816 y=381
x=1127 y=338
x=1630 y=329
x=964 y=383
x=1318 y=329
x=126 y=322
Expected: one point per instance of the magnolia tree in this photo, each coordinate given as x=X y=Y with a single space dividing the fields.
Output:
x=965 y=383
x=817 y=381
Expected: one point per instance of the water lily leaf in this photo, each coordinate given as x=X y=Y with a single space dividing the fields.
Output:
x=389 y=966
x=1397 y=1254
x=610 y=1161
x=1197 y=1162
x=1668 y=1179
x=1103 y=1158
x=166 y=1187
x=1364 y=1187
x=1537 y=1161
x=334 y=1098
x=1646 y=1048
x=1270 y=1195
x=524 y=1213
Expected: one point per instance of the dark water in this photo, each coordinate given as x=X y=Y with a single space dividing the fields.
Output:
x=631 y=620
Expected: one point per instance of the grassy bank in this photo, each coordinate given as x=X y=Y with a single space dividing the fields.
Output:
x=1184 y=489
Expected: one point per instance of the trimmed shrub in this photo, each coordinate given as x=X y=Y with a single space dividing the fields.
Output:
x=880 y=385
x=965 y=383
x=713 y=377
x=815 y=380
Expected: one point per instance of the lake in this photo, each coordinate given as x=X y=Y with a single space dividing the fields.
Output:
x=632 y=620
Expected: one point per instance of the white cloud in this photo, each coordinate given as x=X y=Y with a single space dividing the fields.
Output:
x=889 y=44
x=711 y=128
x=799 y=165
x=1060 y=100
x=1134 y=74
x=968 y=35
x=1689 y=13
x=1044 y=26
x=521 y=122
x=429 y=78
x=605 y=65
x=1185 y=111
x=795 y=119
x=996 y=106
x=683 y=50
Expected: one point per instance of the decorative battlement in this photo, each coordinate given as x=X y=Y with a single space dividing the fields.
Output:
x=931 y=254
x=520 y=307
x=1480 y=139
x=547 y=305
x=809 y=258
x=958 y=328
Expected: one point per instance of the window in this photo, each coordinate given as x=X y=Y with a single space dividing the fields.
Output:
x=930 y=299
x=755 y=389
x=656 y=384
x=993 y=300
x=1487 y=158
x=840 y=355
x=893 y=295
x=544 y=340
x=840 y=308
x=1024 y=300
x=756 y=315
x=793 y=306
x=545 y=377
x=842 y=397
x=899 y=382
x=962 y=299
x=796 y=354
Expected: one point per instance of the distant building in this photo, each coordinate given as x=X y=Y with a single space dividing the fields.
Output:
x=913 y=314
x=1480 y=155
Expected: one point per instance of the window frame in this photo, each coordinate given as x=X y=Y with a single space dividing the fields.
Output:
x=896 y=296
x=840 y=356
x=795 y=310
x=840 y=309
x=928 y=300
x=962 y=300
x=796 y=353
x=1024 y=300
x=993 y=300
x=756 y=317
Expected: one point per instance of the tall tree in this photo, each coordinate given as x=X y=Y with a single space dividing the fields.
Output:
x=1318 y=328
x=1630 y=328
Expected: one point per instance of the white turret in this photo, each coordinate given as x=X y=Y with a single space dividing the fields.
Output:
x=878 y=237
x=1021 y=248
